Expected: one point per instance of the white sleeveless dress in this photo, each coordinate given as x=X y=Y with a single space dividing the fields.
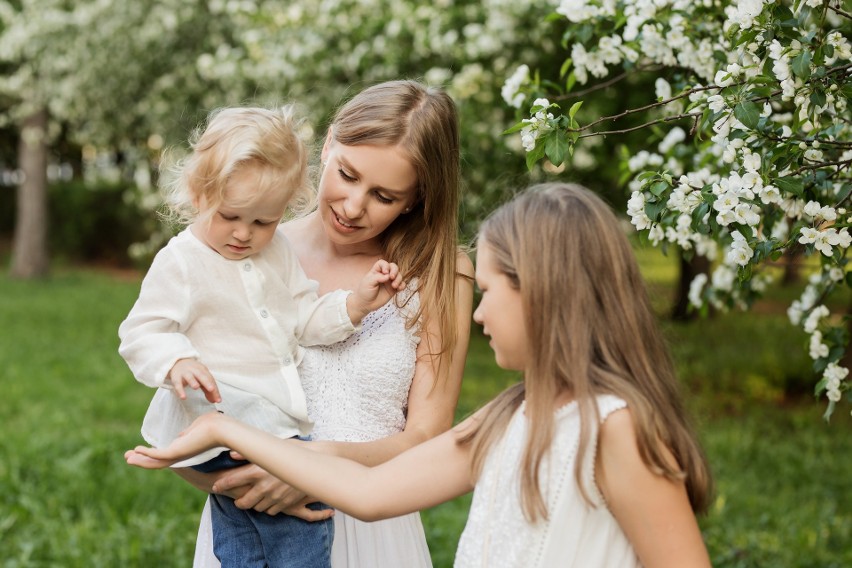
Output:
x=575 y=535
x=357 y=391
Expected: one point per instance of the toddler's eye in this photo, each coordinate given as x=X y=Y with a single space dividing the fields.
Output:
x=344 y=175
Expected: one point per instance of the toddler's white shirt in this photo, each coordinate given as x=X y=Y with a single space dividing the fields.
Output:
x=243 y=319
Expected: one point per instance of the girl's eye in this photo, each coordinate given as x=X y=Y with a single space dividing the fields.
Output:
x=263 y=223
x=344 y=175
x=228 y=217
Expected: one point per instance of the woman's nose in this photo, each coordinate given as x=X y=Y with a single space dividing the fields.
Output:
x=353 y=206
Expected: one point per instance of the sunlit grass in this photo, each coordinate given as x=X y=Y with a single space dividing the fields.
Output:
x=70 y=408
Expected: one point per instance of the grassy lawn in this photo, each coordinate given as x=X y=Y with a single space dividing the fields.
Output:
x=70 y=408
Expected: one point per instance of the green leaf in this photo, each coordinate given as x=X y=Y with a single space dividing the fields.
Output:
x=574 y=108
x=801 y=65
x=791 y=185
x=654 y=210
x=748 y=113
x=658 y=188
x=517 y=127
x=556 y=147
x=536 y=154
x=565 y=67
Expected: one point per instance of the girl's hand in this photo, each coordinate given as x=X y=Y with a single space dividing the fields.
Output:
x=200 y=436
x=375 y=289
x=195 y=375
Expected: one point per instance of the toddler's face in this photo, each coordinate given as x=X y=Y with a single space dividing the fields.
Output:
x=242 y=225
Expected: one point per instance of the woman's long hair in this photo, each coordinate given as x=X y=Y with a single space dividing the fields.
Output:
x=423 y=122
x=591 y=331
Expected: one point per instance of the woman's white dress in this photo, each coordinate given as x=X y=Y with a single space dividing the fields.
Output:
x=357 y=391
x=575 y=534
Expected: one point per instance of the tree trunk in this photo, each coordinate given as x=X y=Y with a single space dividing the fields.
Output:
x=29 y=250
x=689 y=269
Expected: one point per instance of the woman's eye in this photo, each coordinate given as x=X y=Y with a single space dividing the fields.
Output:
x=344 y=175
x=383 y=199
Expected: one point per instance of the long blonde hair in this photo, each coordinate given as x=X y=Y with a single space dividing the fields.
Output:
x=423 y=122
x=591 y=331
x=265 y=138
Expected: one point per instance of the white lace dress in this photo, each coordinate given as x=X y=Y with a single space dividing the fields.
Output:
x=357 y=391
x=575 y=535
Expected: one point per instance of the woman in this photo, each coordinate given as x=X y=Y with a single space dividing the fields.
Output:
x=388 y=188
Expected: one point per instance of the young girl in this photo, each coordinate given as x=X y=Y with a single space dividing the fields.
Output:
x=588 y=462
x=224 y=308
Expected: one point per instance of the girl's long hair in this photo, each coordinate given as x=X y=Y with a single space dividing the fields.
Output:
x=423 y=122
x=591 y=331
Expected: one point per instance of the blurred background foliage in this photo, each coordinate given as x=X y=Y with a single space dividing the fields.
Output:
x=121 y=83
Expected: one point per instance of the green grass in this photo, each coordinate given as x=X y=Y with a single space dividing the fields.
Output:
x=70 y=408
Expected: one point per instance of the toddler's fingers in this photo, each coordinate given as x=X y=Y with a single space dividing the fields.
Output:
x=178 y=386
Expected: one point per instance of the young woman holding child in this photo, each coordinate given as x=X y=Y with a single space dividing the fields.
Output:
x=588 y=462
x=389 y=188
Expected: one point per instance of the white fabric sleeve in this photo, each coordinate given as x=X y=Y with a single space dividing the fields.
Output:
x=322 y=320
x=151 y=341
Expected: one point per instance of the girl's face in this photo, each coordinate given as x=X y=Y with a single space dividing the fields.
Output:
x=363 y=189
x=500 y=312
x=241 y=225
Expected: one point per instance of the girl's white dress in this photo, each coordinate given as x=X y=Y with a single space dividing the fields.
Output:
x=357 y=391
x=575 y=535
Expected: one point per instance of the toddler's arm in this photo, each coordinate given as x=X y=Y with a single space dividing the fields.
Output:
x=375 y=289
x=151 y=338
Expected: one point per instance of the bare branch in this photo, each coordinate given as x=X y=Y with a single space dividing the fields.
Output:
x=839 y=12
x=693 y=115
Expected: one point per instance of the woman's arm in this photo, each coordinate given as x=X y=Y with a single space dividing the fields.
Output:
x=432 y=399
x=431 y=409
x=422 y=477
x=653 y=511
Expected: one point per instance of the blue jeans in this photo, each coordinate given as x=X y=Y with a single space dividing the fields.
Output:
x=249 y=539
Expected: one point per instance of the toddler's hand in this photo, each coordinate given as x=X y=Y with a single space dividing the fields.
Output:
x=190 y=373
x=375 y=289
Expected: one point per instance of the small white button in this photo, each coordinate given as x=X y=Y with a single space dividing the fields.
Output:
x=264 y=314
x=287 y=361
x=247 y=267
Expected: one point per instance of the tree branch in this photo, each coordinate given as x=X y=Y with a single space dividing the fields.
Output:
x=634 y=128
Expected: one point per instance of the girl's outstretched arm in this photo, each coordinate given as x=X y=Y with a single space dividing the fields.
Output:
x=653 y=511
x=421 y=477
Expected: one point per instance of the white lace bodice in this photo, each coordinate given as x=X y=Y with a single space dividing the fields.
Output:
x=357 y=390
x=575 y=535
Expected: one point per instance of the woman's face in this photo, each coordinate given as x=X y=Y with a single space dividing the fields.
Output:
x=500 y=312
x=363 y=189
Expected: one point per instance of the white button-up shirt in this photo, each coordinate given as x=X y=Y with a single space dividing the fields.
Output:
x=243 y=319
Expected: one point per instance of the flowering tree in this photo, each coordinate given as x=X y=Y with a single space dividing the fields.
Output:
x=132 y=77
x=747 y=152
